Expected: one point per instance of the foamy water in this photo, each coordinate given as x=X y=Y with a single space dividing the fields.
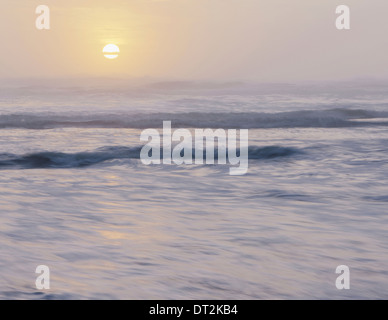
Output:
x=74 y=195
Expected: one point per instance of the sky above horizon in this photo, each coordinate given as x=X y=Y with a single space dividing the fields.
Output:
x=262 y=40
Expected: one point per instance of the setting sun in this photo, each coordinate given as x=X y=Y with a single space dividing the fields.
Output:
x=111 y=51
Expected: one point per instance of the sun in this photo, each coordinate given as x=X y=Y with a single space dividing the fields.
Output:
x=111 y=51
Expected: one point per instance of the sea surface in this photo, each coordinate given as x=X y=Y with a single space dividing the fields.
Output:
x=74 y=195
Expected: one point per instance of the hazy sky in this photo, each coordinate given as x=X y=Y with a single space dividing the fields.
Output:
x=265 y=40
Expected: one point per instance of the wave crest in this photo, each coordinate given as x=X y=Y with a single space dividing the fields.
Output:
x=248 y=120
x=88 y=158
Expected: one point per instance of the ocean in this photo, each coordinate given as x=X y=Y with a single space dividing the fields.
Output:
x=74 y=195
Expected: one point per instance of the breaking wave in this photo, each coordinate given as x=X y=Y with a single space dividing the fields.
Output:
x=292 y=119
x=105 y=154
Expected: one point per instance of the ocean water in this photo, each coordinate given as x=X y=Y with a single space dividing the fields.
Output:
x=74 y=195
